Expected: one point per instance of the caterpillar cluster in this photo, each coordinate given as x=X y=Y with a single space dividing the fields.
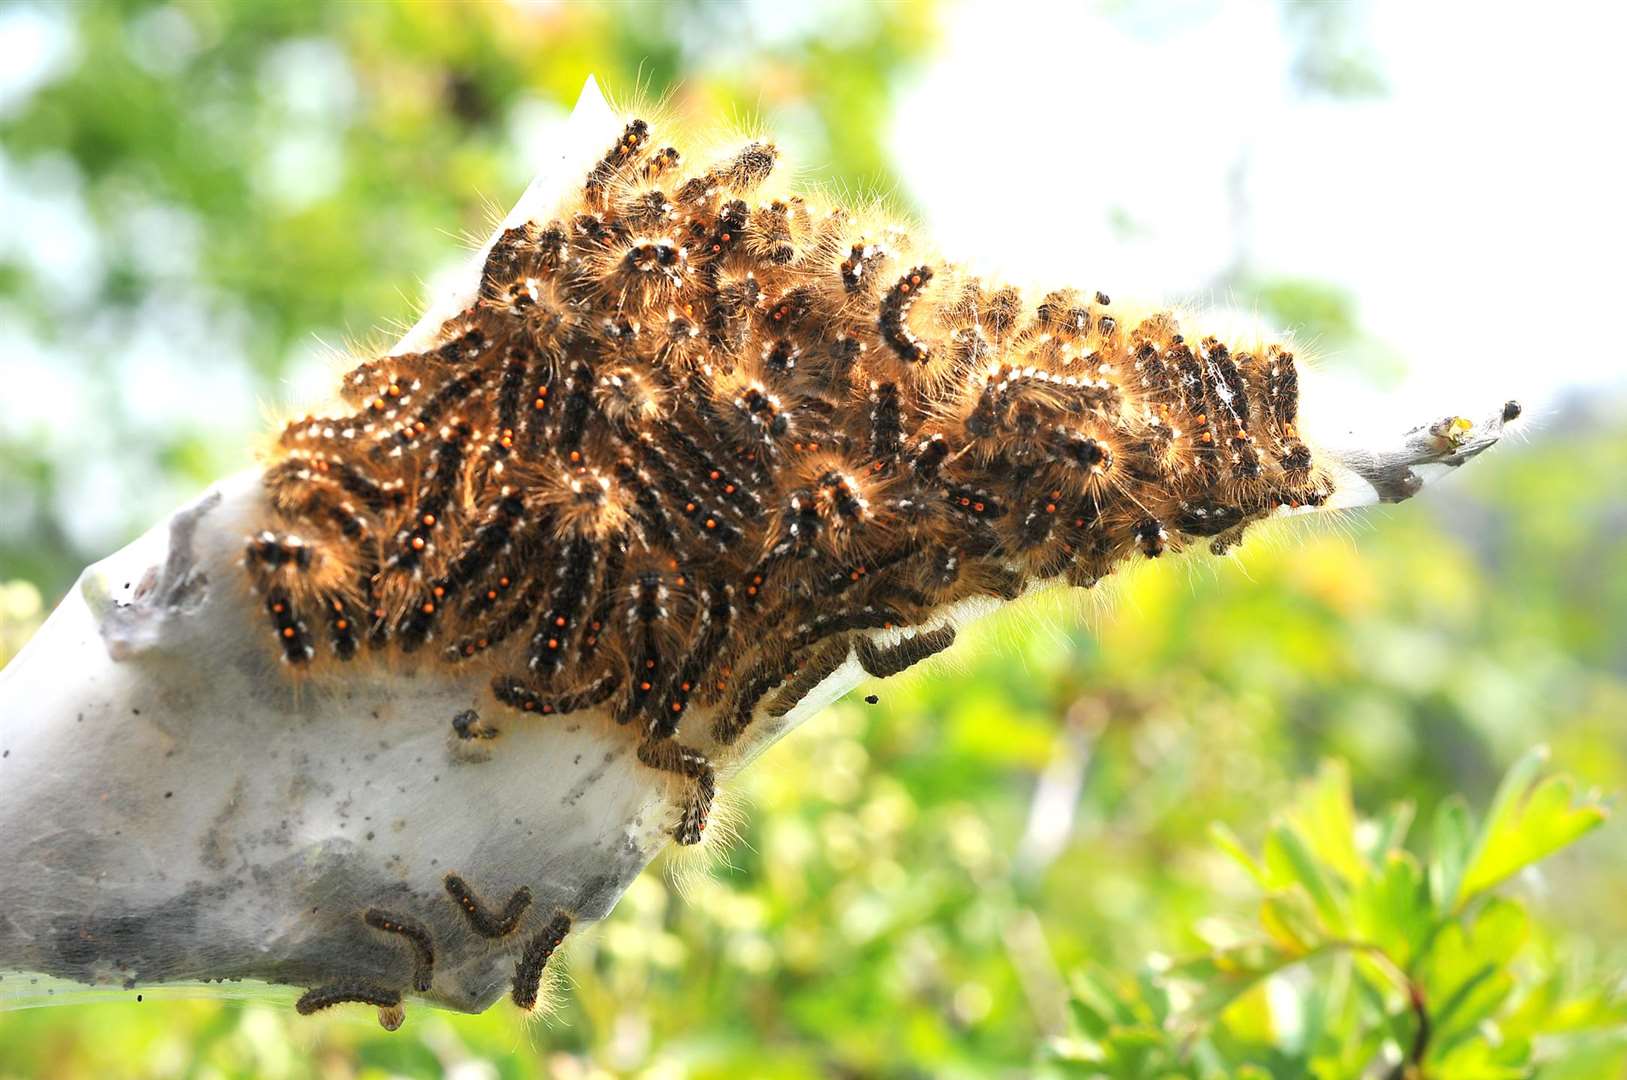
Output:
x=697 y=435
x=534 y=955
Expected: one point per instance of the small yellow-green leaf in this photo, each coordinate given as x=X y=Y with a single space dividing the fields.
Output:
x=1454 y=842
x=1526 y=825
x=1290 y=860
x=1326 y=818
x=1251 y=1018
x=1096 y=1006
x=1226 y=974
x=1290 y=918
x=1391 y=909
x=1463 y=949
x=1227 y=841
x=1474 y=1001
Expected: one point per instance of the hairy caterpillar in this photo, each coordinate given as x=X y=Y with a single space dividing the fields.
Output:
x=534 y=957
x=416 y=935
x=697 y=438
x=481 y=920
x=352 y=991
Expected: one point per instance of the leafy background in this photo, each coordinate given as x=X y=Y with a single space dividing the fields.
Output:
x=1010 y=865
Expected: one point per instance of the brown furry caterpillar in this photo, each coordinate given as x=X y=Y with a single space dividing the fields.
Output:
x=534 y=957
x=352 y=991
x=416 y=935
x=481 y=920
x=697 y=431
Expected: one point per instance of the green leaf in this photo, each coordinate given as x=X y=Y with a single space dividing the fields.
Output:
x=1326 y=818
x=1463 y=947
x=1454 y=841
x=1226 y=974
x=1253 y=1019
x=1227 y=841
x=1465 y=976
x=1476 y=1061
x=1290 y=918
x=1095 y=1007
x=1473 y=1002
x=1393 y=827
x=1290 y=860
x=1527 y=823
x=1363 y=923
x=1391 y=909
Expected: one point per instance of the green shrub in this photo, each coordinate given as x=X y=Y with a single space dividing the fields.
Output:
x=1367 y=959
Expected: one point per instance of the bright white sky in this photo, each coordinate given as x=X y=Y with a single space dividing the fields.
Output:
x=1476 y=213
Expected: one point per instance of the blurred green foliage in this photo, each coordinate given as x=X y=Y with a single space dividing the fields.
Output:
x=969 y=877
x=1408 y=959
